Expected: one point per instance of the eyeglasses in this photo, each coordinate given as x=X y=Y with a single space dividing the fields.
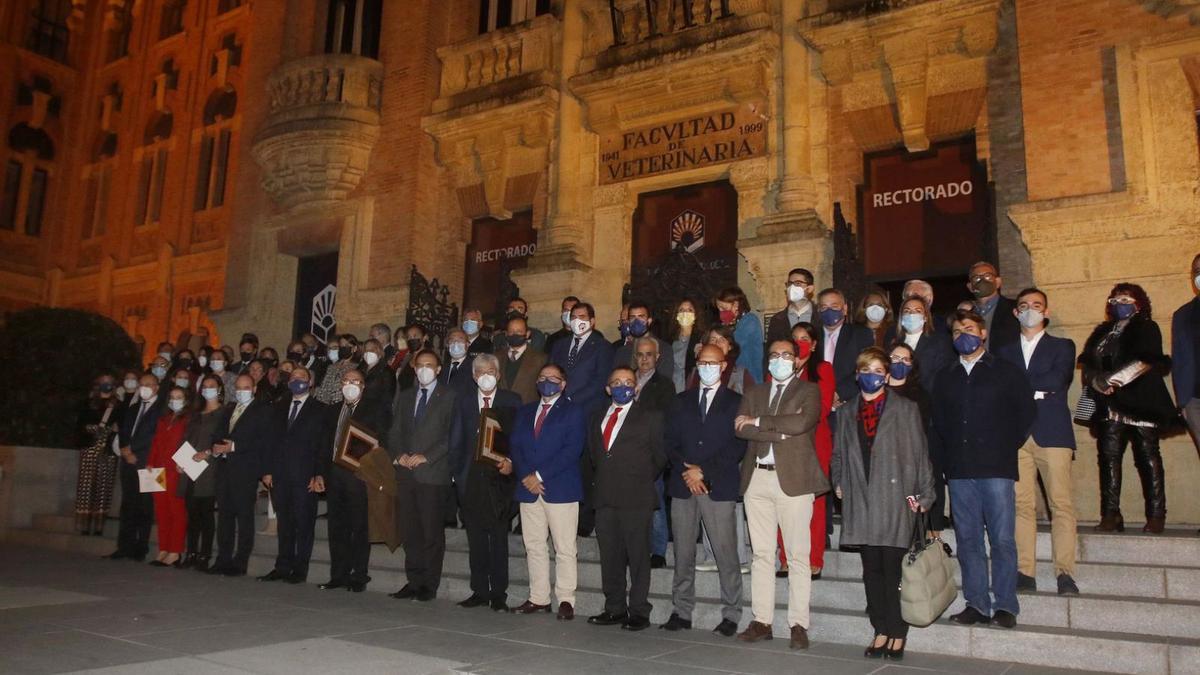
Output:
x=798 y=282
x=555 y=380
x=896 y=358
x=786 y=356
x=708 y=363
x=1122 y=300
x=985 y=276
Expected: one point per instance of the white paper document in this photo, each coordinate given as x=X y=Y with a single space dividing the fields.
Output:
x=183 y=458
x=152 y=480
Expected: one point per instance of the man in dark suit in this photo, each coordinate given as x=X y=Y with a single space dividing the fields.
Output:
x=485 y=489
x=349 y=542
x=520 y=362
x=654 y=391
x=1049 y=366
x=518 y=309
x=703 y=480
x=472 y=325
x=379 y=384
x=586 y=358
x=563 y=333
x=419 y=443
x=641 y=322
x=998 y=312
x=625 y=449
x=248 y=349
x=547 y=443
x=1185 y=356
x=134 y=437
x=249 y=429
x=842 y=341
x=800 y=306
x=456 y=362
x=295 y=475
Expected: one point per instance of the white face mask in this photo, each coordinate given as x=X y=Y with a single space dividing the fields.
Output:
x=351 y=392
x=487 y=382
x=1031 y=318
x=182 y=382
x=566 y=318
x=175 y=404
x=1196 y=280
x=333 y=355
x=876 y=313
x=796 y=293
x=709 y=374
x=244 y=396
x=371 y=358
x=146 y=393
x=580 y=326
x=781 y=369
x=425 y=375
x=130 y=385
x=218 y=366
x=210 y=393
x=457 y=350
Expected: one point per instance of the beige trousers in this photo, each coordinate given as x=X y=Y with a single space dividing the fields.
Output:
x=561 y=523
x=768 y=509
x=1054 y=465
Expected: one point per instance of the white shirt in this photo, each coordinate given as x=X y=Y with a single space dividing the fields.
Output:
x=911 y=339
x=968 y=365
x=1030 y=344
x=479 y=398
x=582 y=339
x=515 y=353
x=831 y=338
x=712 y=393
x=775 y=384
x=624 y=410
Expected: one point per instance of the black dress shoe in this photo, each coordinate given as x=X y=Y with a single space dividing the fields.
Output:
x=607 y=618
x=331 y=585
x=274 y=575
x=873 y=652
x=426 y=594
x=1026 y=583
x=636 y=623
x=117 y=555
x=657 y=562
x=499 y=605
x=726 y=628
x=676 y=623
x=1004 y=619
x=475 y=600
x=406 y=593
x=356 y=586
x=969 y=616
x=1066 y=585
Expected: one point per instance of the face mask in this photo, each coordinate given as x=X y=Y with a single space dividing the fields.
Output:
x=875 y=313
x=298 y=387
x=345 y=352
x=1196 y=280
x=247 y=356
x=159 y=372
x=1031 y=318
x=1123 y=312
x=351 y=392
x=425 y=375
x=146 y=393
x=334 y=355
x=899 y=370
x=130 y=384
x=210 y=393
x=413 y=344
x=244 y=396
x=781 y=369
x=796 y=293
x=182 y=382
x=165 y=356
x=203 y=361
x=983 y=288
x=470 y=326
x=686 y=319
x=621 y=394
x=370 y=358
x=728 y=316
x=709 y=374
x=967 y=343
x=913 y=323
x=185 y=363
x=295 y=356
x=803 y=349
x=566 y=318
x=580 y=326
x=457 y=350
x=516 y=340
x=547 y=388
x=830 y=316
x=175 y=404
x=623 y=327
x=870 y=383
x=638 y=328
x=487 y=382
x=107 y=387
x=218 y=366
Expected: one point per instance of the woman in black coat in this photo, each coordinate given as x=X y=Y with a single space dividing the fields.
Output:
x=1123 y=367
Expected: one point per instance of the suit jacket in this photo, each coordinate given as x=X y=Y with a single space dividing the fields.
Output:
x=480 y=345
x=556 y=337
x=623 y=355
x=593 y=365
x=524 y=384
x=1005 y=328
x=253 y=438
x=377 y=420
x=304 y=449
x=375 y=408
x=537 y=340
x=463 y=380
x=657 y=393
x=792 y=430
x=429 y=436
x=1185 y=325
x=779 y=327
x=554 y=454
x=138 y=440
x=1050 y=371
x=624 y=474
x=485 y=494
x=710 y=445
x=852 y=339
x=934 y=352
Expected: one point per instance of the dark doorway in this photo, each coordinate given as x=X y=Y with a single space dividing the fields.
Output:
x=316 y=293
x=497 y=248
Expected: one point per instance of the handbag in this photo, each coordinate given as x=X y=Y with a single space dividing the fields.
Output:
x=926 y=578
x=1085 y=407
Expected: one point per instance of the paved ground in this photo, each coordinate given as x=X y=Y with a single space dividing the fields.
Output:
x=64 y=613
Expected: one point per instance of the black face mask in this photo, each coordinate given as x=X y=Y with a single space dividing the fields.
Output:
x=345 y=352
x=516 y=340
x=106 y=388
x=273 y=362
x=295 y=356
x=247 y=356
x=185 y=363
x=413 y=344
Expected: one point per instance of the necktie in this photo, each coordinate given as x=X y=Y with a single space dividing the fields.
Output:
x=421 y=401
x=574 y=354
x=487 y=402
x=136 y=420
x=514 y=356
x=343 y=425
x=704 y=404
x=453 y=369
x=295 y=411
x=237 y=413
x=537 y=427
x=608 y=429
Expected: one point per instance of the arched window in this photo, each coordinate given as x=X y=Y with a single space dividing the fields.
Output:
x=48 y=32
x=215 y=144
x=26 y=180
x=352 y=27
x=152 y=173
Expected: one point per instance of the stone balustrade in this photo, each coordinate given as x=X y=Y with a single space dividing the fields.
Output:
x=525 y=51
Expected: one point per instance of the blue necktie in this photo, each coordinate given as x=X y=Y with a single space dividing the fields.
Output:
x=295 y=411
x=573 y=355
x=704 y=404
x=421 y=401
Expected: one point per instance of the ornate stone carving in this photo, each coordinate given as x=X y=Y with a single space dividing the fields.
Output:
x=498 y=57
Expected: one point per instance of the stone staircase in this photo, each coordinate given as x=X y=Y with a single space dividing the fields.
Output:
x=1139 y=611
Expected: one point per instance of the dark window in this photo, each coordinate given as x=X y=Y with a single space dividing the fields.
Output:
x=160 y=176
x=352 y=27
x=172 y=18
x=227 y=5
x=144 y=174
x=12 y=191
x=204 y=174
x=218 y=197
x=118 y=41
x=96 y=208
x=48 y=29
x=494 y=14
x=37 y=202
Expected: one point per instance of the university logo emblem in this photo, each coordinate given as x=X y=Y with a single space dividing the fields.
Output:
x=323 y=321
x=687 y=230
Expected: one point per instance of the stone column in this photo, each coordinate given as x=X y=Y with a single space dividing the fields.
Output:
x=796 y=189
x=565 y=228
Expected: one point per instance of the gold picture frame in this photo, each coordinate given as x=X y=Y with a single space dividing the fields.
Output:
x=359 y=441
x=491 y=444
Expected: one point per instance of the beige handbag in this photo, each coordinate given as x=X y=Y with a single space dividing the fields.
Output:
x=926 y=579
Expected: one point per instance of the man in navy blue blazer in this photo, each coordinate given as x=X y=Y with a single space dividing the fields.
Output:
x=585 y=359
x=134 y=436
x=1185 y=356
x=703 y=480
x=1049 y=365
x=546 y=444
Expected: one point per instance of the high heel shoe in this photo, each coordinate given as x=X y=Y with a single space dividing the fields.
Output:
x=1111 y=522
x=874 y=651
x=893 y=653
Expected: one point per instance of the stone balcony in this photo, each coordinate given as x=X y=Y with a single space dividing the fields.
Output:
x=322 y=122
x=503 y=64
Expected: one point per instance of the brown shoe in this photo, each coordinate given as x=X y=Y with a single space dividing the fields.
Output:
x=530 y=608
x=1111 y=522
x=799 y=638
x=755 y=631
x=1154 y=525
x=565 y=611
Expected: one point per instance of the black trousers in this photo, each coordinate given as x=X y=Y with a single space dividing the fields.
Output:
x=349 y=543
x=937 y=514
x=137 y=514
x=296 y=514
x=881 y=577
x=624 y=539
x=236 y=497
x=1112 y=439
x=423 y=509
x=488 y=547
x=202 y=524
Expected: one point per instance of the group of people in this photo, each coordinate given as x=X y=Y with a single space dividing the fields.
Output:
x=705 y=432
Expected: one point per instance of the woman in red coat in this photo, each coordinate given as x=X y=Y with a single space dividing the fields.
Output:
x=808 y=343
x=170 y=510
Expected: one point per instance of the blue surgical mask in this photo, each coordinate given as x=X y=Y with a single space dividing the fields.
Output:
x=621 y=394
x=244 y=396
x=709 y=374
x=159 y=372
x=913 y=323
x=623 y=327
x=966 y=343
x=547 y=388
x=176 y=404
x=830 y=316
x=470 y=326
x=298 y=387
x=457 y=350
x=899 y=370
x=781 y=369
x=210 y=393
x=638 y=327
x=1123 y=312
x=870 y=383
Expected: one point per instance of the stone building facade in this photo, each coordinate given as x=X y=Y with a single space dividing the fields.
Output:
x=185 y=162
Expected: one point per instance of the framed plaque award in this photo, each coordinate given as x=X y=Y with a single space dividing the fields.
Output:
x=491 y=446
x=358 y=442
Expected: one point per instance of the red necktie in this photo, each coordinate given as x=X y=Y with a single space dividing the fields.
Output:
x=487 y=402
x=608 y=429
x=537 y=427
